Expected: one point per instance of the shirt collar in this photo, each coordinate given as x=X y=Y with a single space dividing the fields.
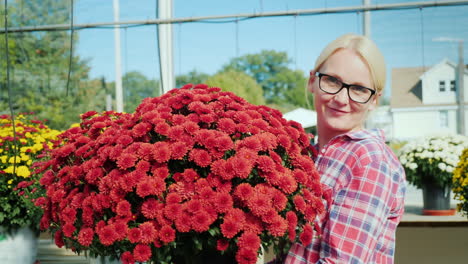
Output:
x=360 y=135
x=365 y=133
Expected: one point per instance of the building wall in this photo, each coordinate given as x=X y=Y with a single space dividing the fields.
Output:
x=430 y=83
x=411 y=123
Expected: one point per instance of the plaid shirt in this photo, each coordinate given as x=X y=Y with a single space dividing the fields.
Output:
x=366 y=185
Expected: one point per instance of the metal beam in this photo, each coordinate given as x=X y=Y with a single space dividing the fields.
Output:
x=219 y=19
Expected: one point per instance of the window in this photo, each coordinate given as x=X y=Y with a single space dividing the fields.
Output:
x=452 y=86
x=441 y=86
x=443 y=118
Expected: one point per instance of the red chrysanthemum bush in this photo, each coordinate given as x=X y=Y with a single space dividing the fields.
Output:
x=192 y=171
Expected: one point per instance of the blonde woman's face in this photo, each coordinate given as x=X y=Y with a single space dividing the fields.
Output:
x=336 y=113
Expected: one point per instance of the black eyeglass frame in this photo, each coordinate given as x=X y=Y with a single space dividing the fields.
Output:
x=344 y=85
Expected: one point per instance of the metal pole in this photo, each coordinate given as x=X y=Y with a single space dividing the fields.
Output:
x=305 y=12
x=165 y=46
x=461 y=90
x=366 y=20
x=118 y=61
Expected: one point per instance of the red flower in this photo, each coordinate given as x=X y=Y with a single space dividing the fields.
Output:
x=201 y=157
x=121 y=229
x=145 y=151
x=246 y=256
x=299 y=203
x=249 y=240
x=172 y=211
x=58 y=238
x=306 y=236
x=107 y=235
x=178 y=150
x=230 y=228
x=278 y=226
x=126 y=160
x=222 y=244
x=142 y=253
x=149 y=208
x=148 y=232
x=222 y=202
x=141 y=129
x=167 y=234
x=201 y=221
x=161 y=152
x=68 y=229
x=134 y=235
x=243 y=191
x=127 y=258
x=85 y=236
x=150 y=186
x=187 y=163
x=124 y=208
x=124 y=140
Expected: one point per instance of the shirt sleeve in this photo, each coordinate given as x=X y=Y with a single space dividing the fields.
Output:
x=357 y=215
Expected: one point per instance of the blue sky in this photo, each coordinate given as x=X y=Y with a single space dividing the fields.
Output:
x=404 y=36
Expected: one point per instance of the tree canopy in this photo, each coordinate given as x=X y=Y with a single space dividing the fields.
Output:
x=281 y=85
x=239 y=83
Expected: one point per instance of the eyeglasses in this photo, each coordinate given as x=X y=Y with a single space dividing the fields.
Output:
x=356 y=93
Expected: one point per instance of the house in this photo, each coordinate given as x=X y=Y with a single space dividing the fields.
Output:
x=424 y=100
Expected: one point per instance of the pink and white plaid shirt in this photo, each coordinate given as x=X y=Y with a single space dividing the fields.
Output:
x=367 y=187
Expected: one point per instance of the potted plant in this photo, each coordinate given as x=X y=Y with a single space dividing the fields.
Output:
x=194 y=176
x=22 y=140
x=460 y=183
x=429 y=163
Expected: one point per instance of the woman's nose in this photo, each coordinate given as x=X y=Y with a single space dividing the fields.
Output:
x=342 y=96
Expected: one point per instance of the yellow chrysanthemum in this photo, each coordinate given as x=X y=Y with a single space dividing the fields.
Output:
x=13 y=159
x=22 y=171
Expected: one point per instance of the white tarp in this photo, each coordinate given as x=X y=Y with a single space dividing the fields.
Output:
x=307 y=118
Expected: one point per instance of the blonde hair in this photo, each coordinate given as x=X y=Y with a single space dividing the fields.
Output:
x=368 y=51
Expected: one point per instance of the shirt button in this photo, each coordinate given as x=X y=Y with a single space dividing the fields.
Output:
x=323 y=151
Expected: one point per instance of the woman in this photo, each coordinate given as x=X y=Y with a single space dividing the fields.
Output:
x=361 y=176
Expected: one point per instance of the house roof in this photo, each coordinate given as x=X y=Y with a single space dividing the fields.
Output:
x=307 y=118
x=407 y=86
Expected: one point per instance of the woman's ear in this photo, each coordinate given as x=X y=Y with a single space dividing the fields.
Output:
x=375 y=101
x=310 y=83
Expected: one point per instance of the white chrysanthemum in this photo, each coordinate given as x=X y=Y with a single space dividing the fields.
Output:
x=442 y=166
x=449 y=169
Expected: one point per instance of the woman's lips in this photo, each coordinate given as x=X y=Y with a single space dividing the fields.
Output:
x=338 y=111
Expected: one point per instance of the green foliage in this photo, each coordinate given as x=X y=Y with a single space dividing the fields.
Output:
x=291 y=89
x=193 y=77
x=137 y=87
x=39 y=64
x=239 y=83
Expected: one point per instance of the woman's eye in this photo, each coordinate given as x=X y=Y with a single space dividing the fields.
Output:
x=333 y=80
x=359 y=89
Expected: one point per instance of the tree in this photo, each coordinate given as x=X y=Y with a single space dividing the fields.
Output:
x=239 y=83
x=281 y=86
x=291 y=87
x=137 y=87
x=262 y=67
x=193 y=77
x=40 y=62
